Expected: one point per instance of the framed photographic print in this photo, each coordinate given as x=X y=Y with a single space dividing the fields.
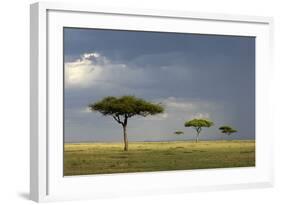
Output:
x=123 y=97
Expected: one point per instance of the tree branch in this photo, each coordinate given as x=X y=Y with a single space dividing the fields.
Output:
x=198 y=129
x=130 y=115
x=117 y=119
x=125 y=120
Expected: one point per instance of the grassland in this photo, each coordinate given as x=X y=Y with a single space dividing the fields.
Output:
x=102 y=158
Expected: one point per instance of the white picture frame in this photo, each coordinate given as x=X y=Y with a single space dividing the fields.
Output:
x=46 y=178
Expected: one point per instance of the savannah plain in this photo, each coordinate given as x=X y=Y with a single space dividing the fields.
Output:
x=106 y=158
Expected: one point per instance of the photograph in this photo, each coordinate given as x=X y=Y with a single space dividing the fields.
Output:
x=149 y=101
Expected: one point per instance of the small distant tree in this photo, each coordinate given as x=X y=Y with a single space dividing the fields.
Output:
x=198 y=124
x=124 y=107
x=178 y=132
x=227 y=130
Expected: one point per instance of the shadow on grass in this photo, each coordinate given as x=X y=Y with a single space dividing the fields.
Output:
x=198 y=150
x=246 y=152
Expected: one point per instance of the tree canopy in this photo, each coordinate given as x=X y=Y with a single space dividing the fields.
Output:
x=197 y=123
x=227 y=130
x=126 y=106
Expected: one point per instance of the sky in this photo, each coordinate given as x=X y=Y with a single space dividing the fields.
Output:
x=192 y=75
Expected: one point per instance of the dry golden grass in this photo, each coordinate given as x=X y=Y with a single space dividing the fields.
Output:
x=103 y=158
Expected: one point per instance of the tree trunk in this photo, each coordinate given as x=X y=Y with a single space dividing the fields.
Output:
x=125 y=138
x=197 y=137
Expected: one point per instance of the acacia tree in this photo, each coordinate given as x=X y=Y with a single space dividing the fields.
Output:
x=178 y=132
x=124 y=107
x=198 y=124
x=227 y=130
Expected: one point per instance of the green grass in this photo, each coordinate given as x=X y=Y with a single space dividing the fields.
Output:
x=103 y=158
